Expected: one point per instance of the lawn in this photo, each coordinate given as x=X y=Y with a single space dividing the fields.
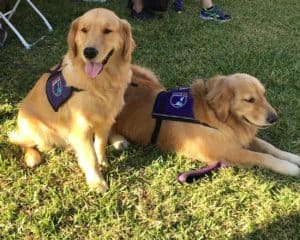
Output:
x=144 y=200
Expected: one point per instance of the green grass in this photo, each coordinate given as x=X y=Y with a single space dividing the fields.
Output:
x=145 y=201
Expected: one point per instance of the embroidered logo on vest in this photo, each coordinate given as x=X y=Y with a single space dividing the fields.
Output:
x=179 y=99
x=175 y=104
x=57 y=86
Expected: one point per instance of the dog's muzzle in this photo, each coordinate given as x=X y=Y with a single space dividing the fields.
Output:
x=93 y=69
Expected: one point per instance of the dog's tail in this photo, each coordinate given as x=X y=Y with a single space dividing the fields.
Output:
x=143 y=74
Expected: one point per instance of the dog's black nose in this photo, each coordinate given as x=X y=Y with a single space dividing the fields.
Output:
x=90 y=52
x=272 y=117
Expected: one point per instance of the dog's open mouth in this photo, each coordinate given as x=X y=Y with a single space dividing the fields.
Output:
x=256 y=125
x=93 y=69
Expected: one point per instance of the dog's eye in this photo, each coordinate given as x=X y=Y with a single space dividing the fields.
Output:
x=107 y=31
x=84 y=30
x=250 y=100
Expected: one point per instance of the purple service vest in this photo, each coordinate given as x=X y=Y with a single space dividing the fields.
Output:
x=175 y=104
x=57 y=90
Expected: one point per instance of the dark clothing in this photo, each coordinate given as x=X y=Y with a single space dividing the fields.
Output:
x=154 y=5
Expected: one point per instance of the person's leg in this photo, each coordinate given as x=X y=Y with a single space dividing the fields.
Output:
x=207 y=4
x=138 y=11
x=156 y=5
x=137 y=5
x=211 y=12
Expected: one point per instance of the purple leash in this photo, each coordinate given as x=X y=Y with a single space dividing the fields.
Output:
x=190 y=176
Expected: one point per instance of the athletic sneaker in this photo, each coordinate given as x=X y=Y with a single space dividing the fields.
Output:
x=214 y=14
x=178 y=6
x=142 y=15
x=3 y=36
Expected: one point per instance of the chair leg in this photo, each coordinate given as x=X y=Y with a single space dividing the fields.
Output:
x=41 y=15
x=21 y=38
x=19 y=35
x=12 y=11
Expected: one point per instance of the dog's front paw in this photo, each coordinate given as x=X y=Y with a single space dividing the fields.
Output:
x=96 y=181
x=102 y=162
x=99 y=187
x=121 y=145
x=291 y=169
x=118 y=141
x=295 y=159
x=292 y=158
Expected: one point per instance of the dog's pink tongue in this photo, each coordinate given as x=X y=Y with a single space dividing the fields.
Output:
x=93 y=69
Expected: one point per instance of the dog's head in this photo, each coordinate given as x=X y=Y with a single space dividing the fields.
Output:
x=98 y=35
x=242 y=96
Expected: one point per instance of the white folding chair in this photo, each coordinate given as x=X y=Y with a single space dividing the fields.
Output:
x=7 y=15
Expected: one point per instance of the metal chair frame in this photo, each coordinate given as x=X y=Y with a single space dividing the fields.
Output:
x=7 y=15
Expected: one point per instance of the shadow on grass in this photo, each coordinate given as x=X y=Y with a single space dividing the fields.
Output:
x=282 y=228
x=136 y=156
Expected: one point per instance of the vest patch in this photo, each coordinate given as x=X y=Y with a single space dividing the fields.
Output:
x=56 y=89
x=175 y=104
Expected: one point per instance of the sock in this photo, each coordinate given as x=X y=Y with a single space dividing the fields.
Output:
x=208 y=9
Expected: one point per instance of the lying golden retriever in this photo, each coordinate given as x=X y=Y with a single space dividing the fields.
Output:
x=232 y=107
x=96 y=72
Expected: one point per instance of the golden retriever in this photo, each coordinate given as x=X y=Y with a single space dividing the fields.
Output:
x=97 y=64
x=233 y=106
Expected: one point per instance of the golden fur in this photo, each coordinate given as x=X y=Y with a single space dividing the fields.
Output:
x=89 y=113
x=234 y=105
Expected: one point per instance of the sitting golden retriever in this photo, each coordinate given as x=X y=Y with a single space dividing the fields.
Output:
x=232 y=109
x=77 y=105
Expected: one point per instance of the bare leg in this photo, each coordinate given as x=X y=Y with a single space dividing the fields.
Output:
x=260 y=145
x=138 y=5
x=207 y=4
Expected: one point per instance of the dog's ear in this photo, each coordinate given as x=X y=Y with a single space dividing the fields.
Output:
x=129 y=43
x=71 y=37
x=219 y=96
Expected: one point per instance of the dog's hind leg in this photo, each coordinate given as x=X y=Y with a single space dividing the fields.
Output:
x=32 y=157
x=260 y=145
x=16 y=137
